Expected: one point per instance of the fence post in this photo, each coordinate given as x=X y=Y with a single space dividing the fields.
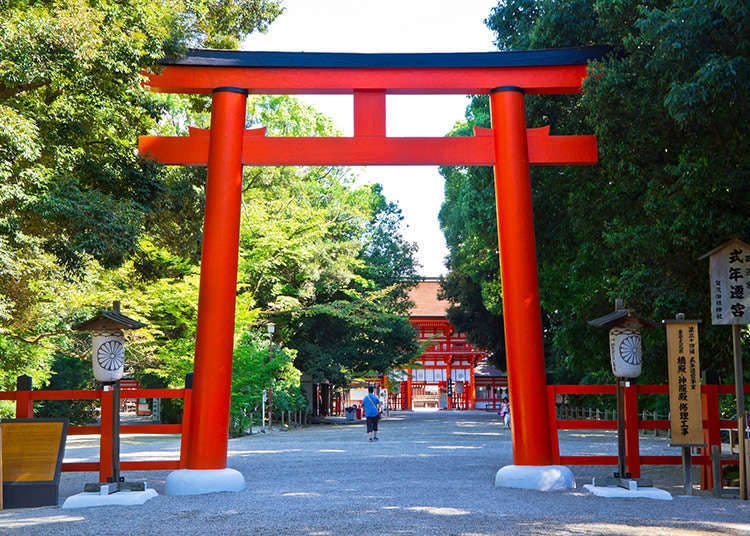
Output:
x=553 y=433
x=24 y=402
x=186 y=417
x=632 y=441
x=711 y=424
x=106 y=422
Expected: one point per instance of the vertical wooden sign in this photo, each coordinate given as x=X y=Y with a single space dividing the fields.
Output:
x=684 y=382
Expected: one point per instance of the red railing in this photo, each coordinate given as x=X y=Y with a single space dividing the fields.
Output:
x=712 y=425
x=25 y=410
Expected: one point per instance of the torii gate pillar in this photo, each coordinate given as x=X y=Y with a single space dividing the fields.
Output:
x=518 y=271
x=212 y=380
x=522 y=316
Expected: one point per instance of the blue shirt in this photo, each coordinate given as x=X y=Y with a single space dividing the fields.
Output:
x=370 y=404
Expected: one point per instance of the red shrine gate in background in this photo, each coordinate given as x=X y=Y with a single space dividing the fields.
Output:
x=228 y=76
x=447 y=377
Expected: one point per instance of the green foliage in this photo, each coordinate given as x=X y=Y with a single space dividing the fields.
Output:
x=70 y=373
x=670 y=184
x=331 y=268
x=75 y=200
x=84 y=221
x=468 y=220
x=257 y=366
x=357 y=336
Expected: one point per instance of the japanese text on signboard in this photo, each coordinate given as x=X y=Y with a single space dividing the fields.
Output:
x=684 y=383
x=730 y=284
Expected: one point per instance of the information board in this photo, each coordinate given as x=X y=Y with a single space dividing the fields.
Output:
x=31 y=453
x=684 y=382
x=729 y=268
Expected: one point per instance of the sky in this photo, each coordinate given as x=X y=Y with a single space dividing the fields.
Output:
x=391 y=26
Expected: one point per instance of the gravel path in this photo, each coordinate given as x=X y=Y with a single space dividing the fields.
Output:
x=430 y=473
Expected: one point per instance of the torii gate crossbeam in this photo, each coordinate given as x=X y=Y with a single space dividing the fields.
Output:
x=229 y=76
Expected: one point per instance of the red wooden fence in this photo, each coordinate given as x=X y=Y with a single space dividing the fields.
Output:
x=25 y=410
x=712 y=425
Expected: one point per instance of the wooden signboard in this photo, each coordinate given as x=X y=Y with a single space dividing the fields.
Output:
x=31 y=457
x=729 y=268
x=684 y=382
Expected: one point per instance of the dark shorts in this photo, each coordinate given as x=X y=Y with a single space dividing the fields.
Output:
x=372 y=424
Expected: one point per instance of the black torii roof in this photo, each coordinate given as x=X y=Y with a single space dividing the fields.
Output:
x=389 y=60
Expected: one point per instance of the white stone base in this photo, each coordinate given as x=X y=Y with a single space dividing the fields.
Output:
x=199 y=481
x=120 y=498
x=538 y=477
x=618 y=492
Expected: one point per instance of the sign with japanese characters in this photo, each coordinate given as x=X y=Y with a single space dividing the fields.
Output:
x=729 y=267
x=684 y=382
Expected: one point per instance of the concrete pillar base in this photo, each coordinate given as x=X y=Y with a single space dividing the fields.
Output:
x=200 y=481
x=542 y=478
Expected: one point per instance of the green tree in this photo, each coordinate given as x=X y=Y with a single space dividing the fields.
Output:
x=258 y=367
x=669 y=183
x=324 y=258
x=70 y=372
x=468 y=220
x=74 y=196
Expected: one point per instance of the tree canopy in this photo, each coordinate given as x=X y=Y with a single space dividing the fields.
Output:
x=670 y=184
x=85 y=221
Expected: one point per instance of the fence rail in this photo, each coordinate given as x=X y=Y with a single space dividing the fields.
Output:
x=712 y=426
x=25 y=410
x=634 y=422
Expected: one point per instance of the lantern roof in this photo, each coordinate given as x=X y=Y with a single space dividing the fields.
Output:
x=109 y=319
x=622 y=317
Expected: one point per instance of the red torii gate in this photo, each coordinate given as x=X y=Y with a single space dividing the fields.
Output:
x=508 y=146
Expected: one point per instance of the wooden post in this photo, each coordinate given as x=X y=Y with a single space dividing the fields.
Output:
x=711 y=425
x=687 y=470
x=632 y=447
x=552 y=410
x=187 y=401
x=116 y=432
x=24 y=402
x=621 y=448
x=740 y=394
x=716 y=468
x=105 y=436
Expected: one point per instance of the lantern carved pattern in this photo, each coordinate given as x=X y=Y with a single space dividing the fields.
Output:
x=111 y=355
x=108 y=355
x=630 y=349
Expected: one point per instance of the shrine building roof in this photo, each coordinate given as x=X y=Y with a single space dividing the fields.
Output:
x=426 y=301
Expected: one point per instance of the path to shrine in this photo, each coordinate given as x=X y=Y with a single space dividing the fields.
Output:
x=429 y=474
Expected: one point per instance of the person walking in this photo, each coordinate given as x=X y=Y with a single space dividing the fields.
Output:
x=372 y=406
x=505 y=411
